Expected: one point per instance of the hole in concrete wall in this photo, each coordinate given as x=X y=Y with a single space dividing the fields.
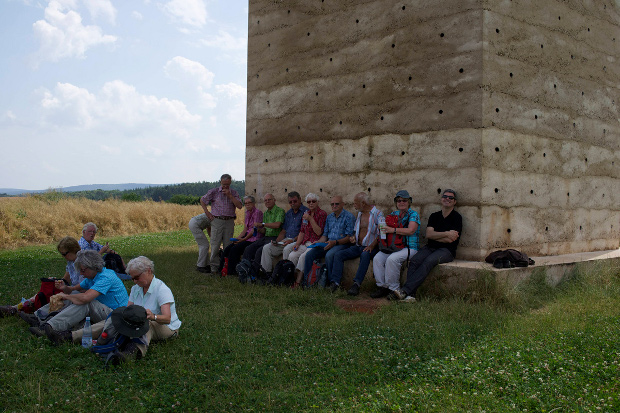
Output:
x=604 y=131
x=410 y=77
x=266 y=160
x=580 y=228
x=381 y=117
x=299 y=127
x=254 y=190
x=586 y=159
x=554 y=86
x=267 y=102
x=311 y=157
x=531 y=191
x=440 y=111
x=402 y=153
x=508 y=230
x=258 y=22
x=460 y=149
x=393 y=45
x=256 y=132
x=603 y=195
x=441 y=35
x=317 y=93
x=574 y=125
x=581 y=93
x=559 y=17
x=357 y=20
x=535 y=116
x=363 y=86
x=439 y=190
x=544 y=155
x=268 y=44
x=568 y=194
x=403 y=7
x=496 y=190
x=289 y=12
x=510 y=74
x=572 y=56
x=341 y=122
x=257 y=75
x=287 y=70
x=588 y=29
x=320 y=189
x=497 y=110
x=496 y=30
x=546 y=228
x=308 y=33
x=461 y=70
x=353 y=155
x=541 y=46
x=496 y=149
x=285 y=190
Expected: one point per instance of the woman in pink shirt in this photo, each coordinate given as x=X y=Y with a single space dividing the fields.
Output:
x=234 y=251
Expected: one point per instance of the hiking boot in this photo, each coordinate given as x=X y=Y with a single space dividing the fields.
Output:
x=204 y=270
x=31 y=319
x=7 y=310
x=57 y=337
x=380 y=292
x=333 y=287
x=37 y=332
x=131 y=351
x=354 y=290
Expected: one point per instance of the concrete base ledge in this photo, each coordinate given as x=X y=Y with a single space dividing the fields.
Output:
x=459 y=276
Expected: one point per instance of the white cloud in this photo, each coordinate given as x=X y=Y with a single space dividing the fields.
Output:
x=117 y=109
x=226 y=41
x=136 y=15
x=238 y=96
x=62 y=35
x=190 y=12
x=101 y=8
x=183 y=69
x=8 y=115
x=232 y=90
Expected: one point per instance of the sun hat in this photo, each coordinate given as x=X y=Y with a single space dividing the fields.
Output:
x=402 y=194
x=130 y=321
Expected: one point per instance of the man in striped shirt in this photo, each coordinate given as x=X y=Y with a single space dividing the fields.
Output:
x=224 y=201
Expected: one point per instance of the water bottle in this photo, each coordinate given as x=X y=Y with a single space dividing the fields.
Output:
x=255 y=232
x=87 y=336
x=382 y=227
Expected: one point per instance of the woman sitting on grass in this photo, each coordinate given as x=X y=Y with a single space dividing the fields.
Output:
x=152 y=294
x=68 y=247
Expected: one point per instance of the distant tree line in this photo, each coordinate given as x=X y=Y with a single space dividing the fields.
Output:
x=184 y=194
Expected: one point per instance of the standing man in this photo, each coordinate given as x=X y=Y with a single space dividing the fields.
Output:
x=273 y=218
x=364 y=242
x=338 y=229
x=223 y=201
x=443 y=233
x=197 y=226
x=290 y=231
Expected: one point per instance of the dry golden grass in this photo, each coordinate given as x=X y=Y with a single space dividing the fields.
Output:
x=39 y=219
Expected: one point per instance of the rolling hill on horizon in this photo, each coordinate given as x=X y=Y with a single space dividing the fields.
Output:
x=92 y=187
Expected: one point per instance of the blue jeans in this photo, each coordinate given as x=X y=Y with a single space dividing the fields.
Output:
x=350 y=253
x=421 y=265
x=316 y=253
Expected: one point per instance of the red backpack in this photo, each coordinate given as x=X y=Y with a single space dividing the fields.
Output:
x=393 y=242
x=43 y=296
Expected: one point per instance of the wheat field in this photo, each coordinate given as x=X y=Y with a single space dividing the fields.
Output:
x=41 y=219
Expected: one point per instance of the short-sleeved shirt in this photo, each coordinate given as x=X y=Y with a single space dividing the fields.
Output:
x=373 y=226
x=111 y=290
x=93 y=245
x=292 y=222
x=453 y=221
x=251 y=218
x=320 y=217
x=413 y=241
x=340 y=226
x=157 y=295
x=276 y=214
x=221 y=205
x=74 y=275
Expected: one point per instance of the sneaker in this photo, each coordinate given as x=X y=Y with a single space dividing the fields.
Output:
x=354 y=290
x=204 y=270
x=7 y=310
x=333 y=287
x=400 y=294
x=37 y=332
x=409 y=299
x=31 y=319
x=57 y=337
x=380 y=292
x=131 y=351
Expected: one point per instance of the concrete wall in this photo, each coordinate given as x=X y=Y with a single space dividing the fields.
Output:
x=512 y=103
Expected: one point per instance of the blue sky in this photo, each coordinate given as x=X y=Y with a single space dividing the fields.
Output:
x=117 y=91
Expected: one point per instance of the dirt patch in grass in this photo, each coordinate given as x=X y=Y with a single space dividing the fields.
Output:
x=361 y=305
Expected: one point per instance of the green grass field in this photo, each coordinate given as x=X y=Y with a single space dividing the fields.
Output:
x=252 y=348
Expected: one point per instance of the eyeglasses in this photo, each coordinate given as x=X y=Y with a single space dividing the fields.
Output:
x=248 y=203
x=293 y=201
x=402 y=200
x=311 y=201
x=448 y=197
x=335 y=203
x=136 y=277
x=64 y=254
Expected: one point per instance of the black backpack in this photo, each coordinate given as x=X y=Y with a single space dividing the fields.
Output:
x=283 y=273
x=516 y=258
x=114 y=262
x=245 y=271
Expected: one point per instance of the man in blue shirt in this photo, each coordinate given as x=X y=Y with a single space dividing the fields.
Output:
x=96 y=296
x=338 y=228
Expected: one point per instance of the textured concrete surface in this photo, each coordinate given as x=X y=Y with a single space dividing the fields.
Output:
x=512 y=103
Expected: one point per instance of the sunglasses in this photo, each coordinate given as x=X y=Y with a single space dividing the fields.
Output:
x=311 y=201
x=335 y=203
x=402 y=200
x=448 y=197
x=136 y=277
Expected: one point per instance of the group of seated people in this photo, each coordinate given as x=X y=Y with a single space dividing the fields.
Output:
x=89 y=289
x=306 y=233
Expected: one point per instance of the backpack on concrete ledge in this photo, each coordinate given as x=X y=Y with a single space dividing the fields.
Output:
x=513 y=257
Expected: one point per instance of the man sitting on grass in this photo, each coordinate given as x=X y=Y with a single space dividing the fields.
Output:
x=98 y=294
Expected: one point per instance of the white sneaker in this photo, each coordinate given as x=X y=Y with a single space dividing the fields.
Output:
x=409 y=299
